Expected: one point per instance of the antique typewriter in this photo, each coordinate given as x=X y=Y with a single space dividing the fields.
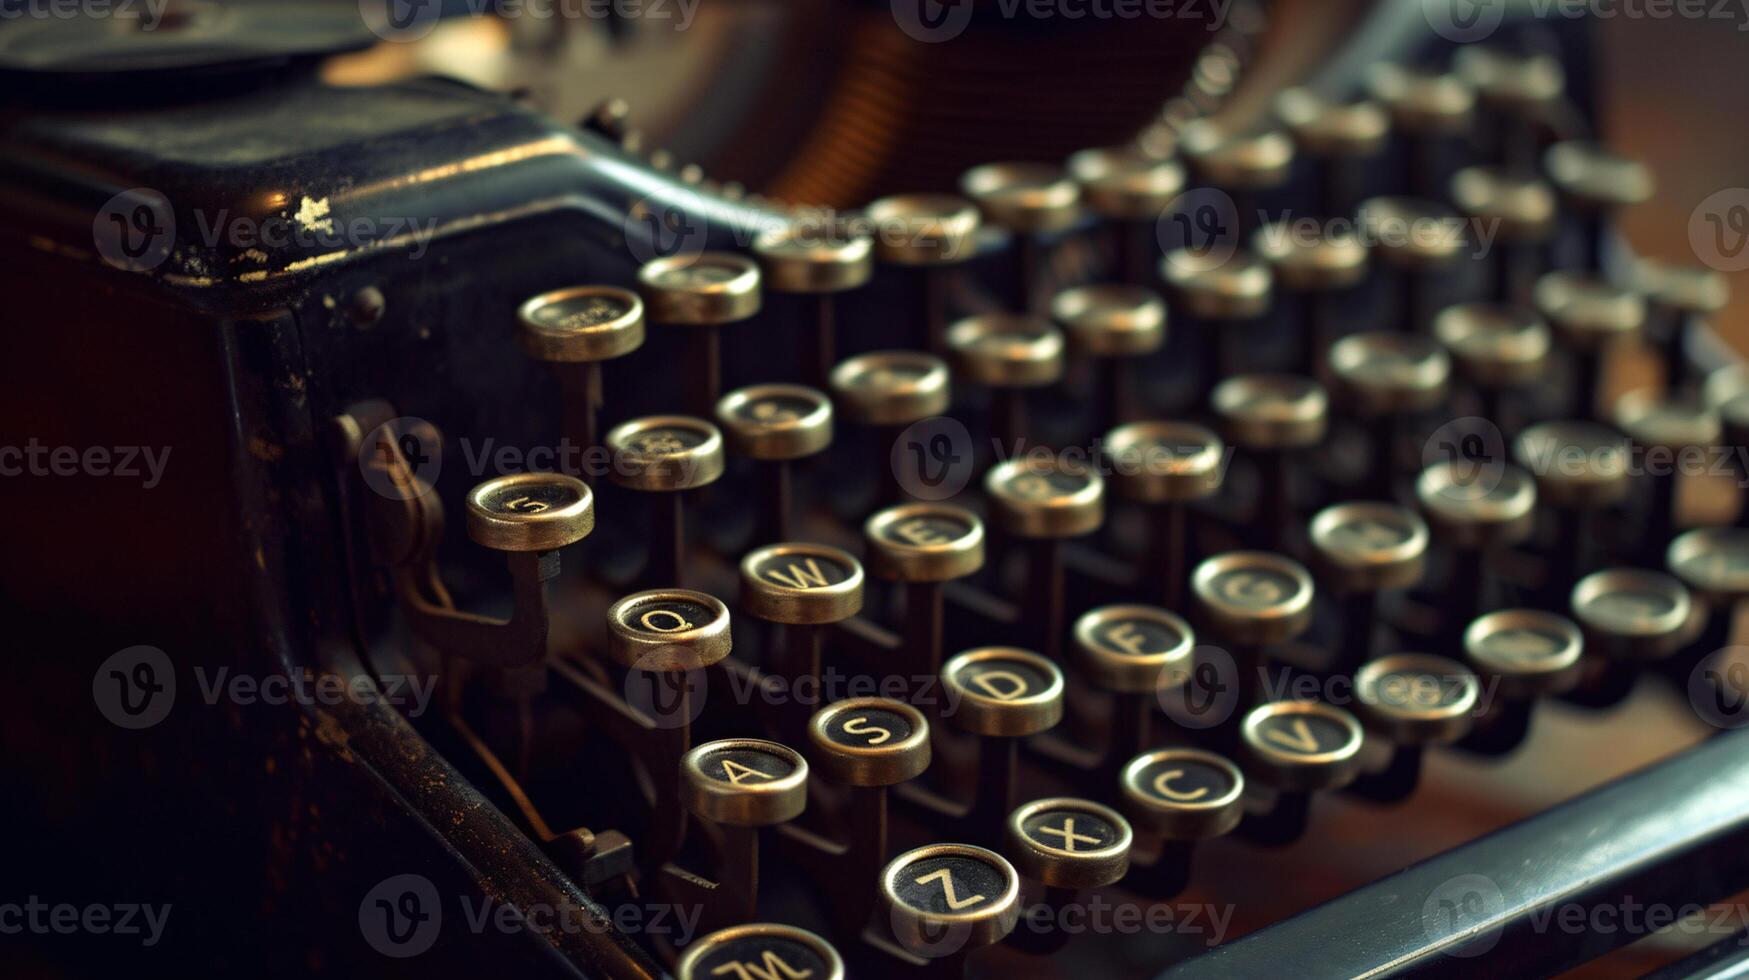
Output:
x=1057 y=489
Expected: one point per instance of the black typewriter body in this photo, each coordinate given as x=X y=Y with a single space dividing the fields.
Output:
x=323 y=353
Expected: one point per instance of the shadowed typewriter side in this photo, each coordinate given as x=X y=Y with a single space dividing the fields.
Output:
x=1100 y=565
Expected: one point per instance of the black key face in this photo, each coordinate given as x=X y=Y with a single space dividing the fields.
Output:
x=868 y=728
x=1303 y=734
x=530 y=499
x=668 y=440
x=1368 y=535
x=778 y=957
x=663 y=616
x=1526 y=647
x=1415 y=691
x=1256 y=588
x=745 y=767
x=889 y=375
x=950 y=884
x=1138 y=637
x=1030 y=484
x=1003 y=680
x=1183 y=782
x=928 y=531
x=776 y=410
x=1073 y=831
x=703 y=272
x=801 y=571
x=1627 y=610
x=578 y=312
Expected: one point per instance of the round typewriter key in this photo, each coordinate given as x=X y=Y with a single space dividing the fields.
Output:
x=1069 y=843
x=924 y=543
x=818 y=257
x=801 y=584
x=581 y=324
x=1111 y=320
x=893 y=388
x=1632 y=614
x=1163 y=462
x=1370 y=546
x=946 y=899
x=1218 y=285
x=812 y=256
x=1165 y=465
x=1417 y=699
x=700 y=290
x=1046 y=498
x=1422 y=101
x=745 y=782
x=1339 y=135
x=1124 y=184
x=530 y=512
x=761 y=950
x=1134 y=649
x=1312 y=265
x=1272 y=411
x=1477 y=509
x=668 y=630
x=1237 y=162
x=1713 y=562
x=1381 y=373
x=1184 y=794
x=933 y=231
x=1509 y=81
x=1112 y=325
x=1587 y=312
x=774 y=424
x=1302 y=746
x=1027 y=198
x=923 y=229
x=1130 y=189
x=1494 y=345
x=1043 y=502
x=1417 y=238
x=1431 y=109
x=1003 y=692
x=1520 y=210
x=705 y=292
x=1527 y=651
x=1254 y=597
x=1594 y=180
x=1666 y=426
x=1579 y=465
x=666 y=453
x=870 y=741
x=1681 y=296
x=1007 y=353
